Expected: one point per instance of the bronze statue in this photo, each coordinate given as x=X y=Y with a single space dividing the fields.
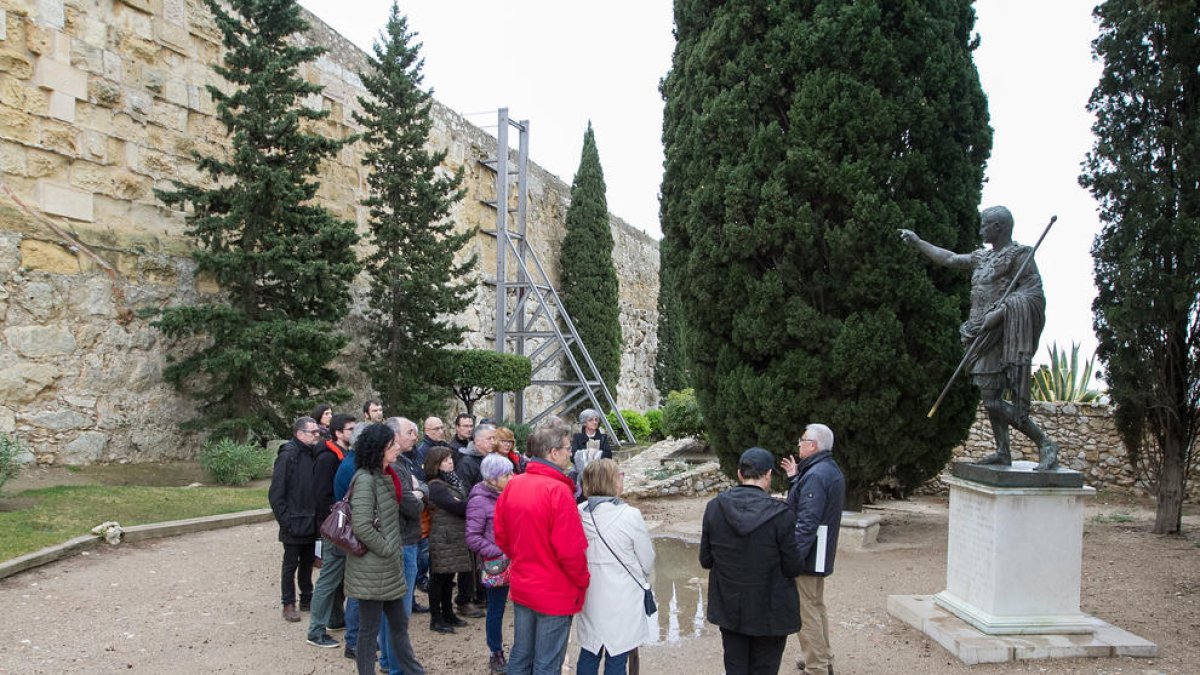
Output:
x=1007 y=327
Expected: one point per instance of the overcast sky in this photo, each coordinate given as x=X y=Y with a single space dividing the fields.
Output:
x=559 y=63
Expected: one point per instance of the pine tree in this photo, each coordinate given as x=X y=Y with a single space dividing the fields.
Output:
x=416 y=286
x=589 y=281
x=1145 y=172
x=799 y=136
x=283 y=262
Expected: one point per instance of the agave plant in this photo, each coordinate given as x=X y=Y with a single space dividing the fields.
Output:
x=1062 y=380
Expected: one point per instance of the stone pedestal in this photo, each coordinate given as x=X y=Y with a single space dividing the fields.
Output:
x=1014 y=557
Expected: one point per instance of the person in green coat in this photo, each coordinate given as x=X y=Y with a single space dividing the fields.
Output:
x=376 y=579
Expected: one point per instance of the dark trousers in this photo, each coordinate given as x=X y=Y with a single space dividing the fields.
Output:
x=752 y=654
x=297 y=568
x=369 y=612
x=469 y=588
x=441 y=589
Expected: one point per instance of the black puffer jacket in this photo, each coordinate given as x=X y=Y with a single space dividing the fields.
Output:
x=749 y=545
x=293 y=494
x=448 y=550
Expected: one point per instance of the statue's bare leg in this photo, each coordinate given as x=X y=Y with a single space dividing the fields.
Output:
x=997 y=415
x=1018 y=418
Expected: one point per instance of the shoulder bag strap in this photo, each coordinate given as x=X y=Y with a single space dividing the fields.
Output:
x=595 y=525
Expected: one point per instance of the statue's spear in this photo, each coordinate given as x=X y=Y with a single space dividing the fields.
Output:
x=970 y=353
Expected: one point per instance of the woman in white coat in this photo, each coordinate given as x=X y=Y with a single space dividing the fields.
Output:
x=620 y=558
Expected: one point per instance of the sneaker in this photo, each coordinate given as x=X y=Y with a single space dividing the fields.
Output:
x=497 y=664
x=291 y=614
x=441 y=627
x=324 y=641
x=350 y=653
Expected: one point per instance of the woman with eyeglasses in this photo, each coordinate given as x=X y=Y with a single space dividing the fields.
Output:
x=376 y=579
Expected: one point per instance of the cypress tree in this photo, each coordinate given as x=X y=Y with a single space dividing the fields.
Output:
x=282 y=261
x=1145 y=171
x=588 y=280
x=670 y=369
x=416 y=287
x=799 y=137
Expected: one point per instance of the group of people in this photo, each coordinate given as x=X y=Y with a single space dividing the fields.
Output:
x=470 y=511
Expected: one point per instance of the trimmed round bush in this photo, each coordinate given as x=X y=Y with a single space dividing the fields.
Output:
x=636 y=421
x=655 y=419
x=233 y=463
x=682 y=416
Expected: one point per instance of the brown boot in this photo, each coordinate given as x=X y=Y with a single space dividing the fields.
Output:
x=290 y=613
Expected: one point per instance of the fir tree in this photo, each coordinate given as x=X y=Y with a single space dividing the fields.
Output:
x=589 y=281
x=799 y=136
x=283 y=262
x=1145 y=172
x=416 y=286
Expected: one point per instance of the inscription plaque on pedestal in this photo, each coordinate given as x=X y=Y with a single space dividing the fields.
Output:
x=1014 y=557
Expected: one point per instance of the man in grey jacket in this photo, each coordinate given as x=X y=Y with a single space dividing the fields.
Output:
x=817 y=494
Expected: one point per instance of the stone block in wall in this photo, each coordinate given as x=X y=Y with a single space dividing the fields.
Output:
x=62 y=106
x=58 y=420
x=40 y=341
x=174 y=37
x=15 y=124
x=3 y=25
x=88 y=447
x=15 y=64
x=8 y=420
x=45 y=256
x=61 y=138
x=63 y=200
x=51 y=12
x=23 y=382
x=59 y=76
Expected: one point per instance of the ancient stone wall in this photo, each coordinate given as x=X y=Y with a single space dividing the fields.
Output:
x=1088 y=439
x=101 y=102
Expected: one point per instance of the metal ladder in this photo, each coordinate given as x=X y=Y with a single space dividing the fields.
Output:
x=532 y=327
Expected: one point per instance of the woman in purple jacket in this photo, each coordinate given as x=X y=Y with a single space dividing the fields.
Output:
x=481 y=510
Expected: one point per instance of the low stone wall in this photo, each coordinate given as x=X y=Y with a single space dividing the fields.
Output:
x=655 y=473
x=1086 y=434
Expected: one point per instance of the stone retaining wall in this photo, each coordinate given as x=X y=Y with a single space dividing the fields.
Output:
x=1086 y=435
x=103 y=102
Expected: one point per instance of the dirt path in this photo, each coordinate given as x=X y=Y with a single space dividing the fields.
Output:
x=207 y=603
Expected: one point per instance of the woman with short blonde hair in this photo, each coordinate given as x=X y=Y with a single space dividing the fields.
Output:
x=620 y=558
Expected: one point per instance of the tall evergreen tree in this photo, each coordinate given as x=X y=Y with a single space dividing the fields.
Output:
x=416 y=286
x=670 y=366
x=283 y=262
x=1145 y=172
x=799 y=137
x=589 y=281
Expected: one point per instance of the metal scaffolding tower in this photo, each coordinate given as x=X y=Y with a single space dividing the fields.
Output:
x=530 y=318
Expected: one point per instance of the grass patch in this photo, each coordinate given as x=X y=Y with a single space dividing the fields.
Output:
x=1118 y=517
x=38 y=518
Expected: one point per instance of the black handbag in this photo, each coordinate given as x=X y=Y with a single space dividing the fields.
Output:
x=648 y=598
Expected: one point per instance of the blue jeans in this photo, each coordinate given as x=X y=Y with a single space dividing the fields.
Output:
x=494 y=623
x=410 y=574
x=589 y=663
x=351 y=622
x=539 y=642
x=423 y=562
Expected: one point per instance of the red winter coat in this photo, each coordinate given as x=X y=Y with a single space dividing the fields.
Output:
x=537 y=526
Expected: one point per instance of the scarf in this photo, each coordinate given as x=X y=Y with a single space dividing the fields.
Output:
x=395 y=481
x=451 y=479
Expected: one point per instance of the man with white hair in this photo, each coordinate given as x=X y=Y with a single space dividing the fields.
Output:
x=817 y=494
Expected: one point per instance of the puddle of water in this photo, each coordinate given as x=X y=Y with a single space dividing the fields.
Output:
x=680 y=589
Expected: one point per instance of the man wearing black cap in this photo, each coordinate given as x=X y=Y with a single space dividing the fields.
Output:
x=749 y=545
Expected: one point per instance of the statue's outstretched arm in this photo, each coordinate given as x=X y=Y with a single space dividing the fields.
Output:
x=937 y=254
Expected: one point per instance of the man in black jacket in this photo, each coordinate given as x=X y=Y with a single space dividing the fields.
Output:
x=748 y=543
x=817 y=494
x=328 y=600
x=293 y=499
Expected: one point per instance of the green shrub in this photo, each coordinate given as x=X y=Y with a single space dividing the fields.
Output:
x=636 y=421
x=233 y=463
x=10 y=450
x=520 y=433
x=654 y=419
x=681 y=415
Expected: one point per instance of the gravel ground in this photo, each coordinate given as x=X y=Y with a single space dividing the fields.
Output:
x=207 y=603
